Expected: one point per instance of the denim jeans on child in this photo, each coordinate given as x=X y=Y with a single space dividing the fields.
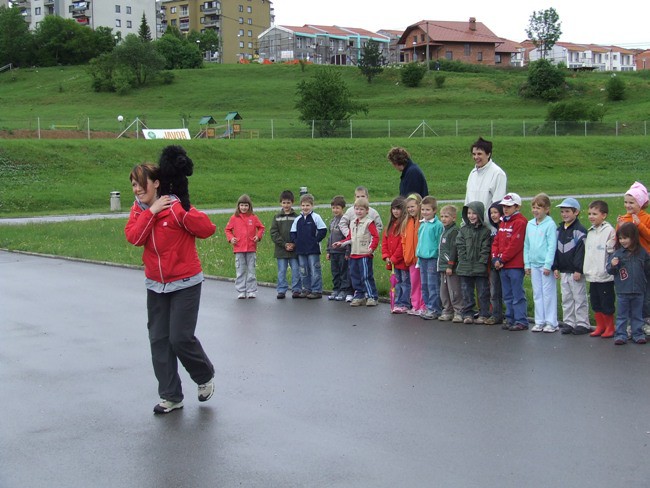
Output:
x=403 y=288
x=630 y=308
x=479 y=283
x=310 y=273
x=283 y=265
x=512 y=286
x=430 y=284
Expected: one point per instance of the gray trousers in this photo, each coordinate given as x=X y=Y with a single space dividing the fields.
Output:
x=450 y=294
x=575 y=309
x=246 y=279
x=172 y=322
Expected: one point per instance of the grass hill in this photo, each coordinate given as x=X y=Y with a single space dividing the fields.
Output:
x=64 y=95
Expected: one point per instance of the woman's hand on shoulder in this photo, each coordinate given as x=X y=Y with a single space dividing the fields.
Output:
x=162 y=203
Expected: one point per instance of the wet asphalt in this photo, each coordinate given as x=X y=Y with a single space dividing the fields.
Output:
x=309 y=394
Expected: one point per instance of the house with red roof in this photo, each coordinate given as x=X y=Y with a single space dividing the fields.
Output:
x=470 y=42
x=642 y=59
x=586 y=56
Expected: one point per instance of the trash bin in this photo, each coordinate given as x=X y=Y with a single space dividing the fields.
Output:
x=303 y=190
x=115 y=201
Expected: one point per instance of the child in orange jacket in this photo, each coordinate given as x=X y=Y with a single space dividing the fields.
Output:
x=410 y=229
x=243 y=231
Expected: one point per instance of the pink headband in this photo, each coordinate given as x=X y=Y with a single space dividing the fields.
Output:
x=639 y=193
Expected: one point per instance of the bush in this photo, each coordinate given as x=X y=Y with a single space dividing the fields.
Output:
x=575 y=111
x=439 y=80
x=167 y=77
x=412 y=74
x=615 y=88
x=545 y=81
x=458 y=66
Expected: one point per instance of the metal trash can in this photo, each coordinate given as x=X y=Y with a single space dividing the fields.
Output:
x=303 y=190
x=115 y=201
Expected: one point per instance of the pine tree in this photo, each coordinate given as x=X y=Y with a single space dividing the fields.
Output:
x=144 y=32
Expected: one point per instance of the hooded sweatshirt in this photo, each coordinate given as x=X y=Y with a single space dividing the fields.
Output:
x=508 y=244
x=473 y=243
x=540 y=243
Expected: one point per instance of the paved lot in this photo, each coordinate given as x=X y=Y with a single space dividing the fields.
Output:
x=309 y=394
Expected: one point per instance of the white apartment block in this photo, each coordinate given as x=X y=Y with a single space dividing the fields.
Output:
x=589 y=56
x=123 y=16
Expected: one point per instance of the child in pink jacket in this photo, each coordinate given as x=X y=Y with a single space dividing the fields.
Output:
x=244 y=231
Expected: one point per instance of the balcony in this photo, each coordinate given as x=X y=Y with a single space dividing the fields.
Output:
x=48 y=3
x=78 y=9
x=184 y=26
x=213 y=11
x=212 y=22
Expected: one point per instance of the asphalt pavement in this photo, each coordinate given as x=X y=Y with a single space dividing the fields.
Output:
x=309 y=394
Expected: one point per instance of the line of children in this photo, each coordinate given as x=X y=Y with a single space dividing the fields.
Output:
x=440 y=268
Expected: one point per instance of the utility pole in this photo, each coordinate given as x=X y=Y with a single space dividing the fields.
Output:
x=428 y=41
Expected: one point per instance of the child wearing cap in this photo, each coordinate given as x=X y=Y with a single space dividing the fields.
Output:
x=636 y=202
x=508 y=259
x=568 y=268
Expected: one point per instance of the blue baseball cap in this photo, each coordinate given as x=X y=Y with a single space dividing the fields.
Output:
x=569 y=203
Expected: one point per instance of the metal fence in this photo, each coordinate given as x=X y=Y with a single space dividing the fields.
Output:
x=96 y=128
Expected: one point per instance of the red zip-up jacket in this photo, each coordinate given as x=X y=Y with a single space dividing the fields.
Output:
x=169 y=240
x=244 y=227
x=508 y=244
x=391 y=247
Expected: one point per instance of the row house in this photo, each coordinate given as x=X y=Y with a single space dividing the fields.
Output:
x=123 y=16
x=238 y=23
x=586 y=56
x=319 y=44
x=642 y=59
x=470 y=42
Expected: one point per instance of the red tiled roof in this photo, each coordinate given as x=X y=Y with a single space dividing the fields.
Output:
x=452 y=31
x=507 y=46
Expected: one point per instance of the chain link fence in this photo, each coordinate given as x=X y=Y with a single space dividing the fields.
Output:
x=98 y=128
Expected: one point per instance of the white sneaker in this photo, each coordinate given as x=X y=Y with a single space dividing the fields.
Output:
x=206 y=390
x=241 y=296
x=549 y=328
x=415 y=312
x=166 y=406
x=251 y=295
x=537 y=328
x=348 y=298
x=371 y=302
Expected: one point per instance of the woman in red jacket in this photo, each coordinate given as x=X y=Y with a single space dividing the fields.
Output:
x=244 y=230
x=173 y=280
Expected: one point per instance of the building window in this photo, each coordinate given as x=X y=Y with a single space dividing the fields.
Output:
x=249 y=9
x=415 y=39
x=172 y=10
x=497 y=59
x=241 y=44
x=174 y=22
x=250 y=21
x=37 y=10
x=241 y=32
x=129 y=24
x=250 y=45
x=479 y=56
x=250 y=33
x=184 y=9
x=241 y=20
x=118 y=23
x=468 y=49
x=128 y=10
x=241 y=8
x=117 y=9
x=449 y=55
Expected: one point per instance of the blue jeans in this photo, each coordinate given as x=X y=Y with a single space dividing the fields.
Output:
x=496 y=295
x=403 y=288
x=310 y=273
x=363 y=278
x=340 y=273
x=630 y=308
x=430 y=280
x=514 y=296
x=283 y=265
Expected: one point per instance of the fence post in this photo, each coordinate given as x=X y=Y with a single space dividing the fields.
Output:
x=272 y=133
x=457 y=128
x=555 y=130
x=617 y=128
x=524 y=128
x=313 y=122
x=389 y=128
x=88 y=128
x=491 y=128
x=585 y=128
x=350 y=128
x=38 y=126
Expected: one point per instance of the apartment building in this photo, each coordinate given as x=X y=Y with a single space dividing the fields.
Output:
x=586 y=56
x=237 y=22
x=319 y=44
x=123 y=16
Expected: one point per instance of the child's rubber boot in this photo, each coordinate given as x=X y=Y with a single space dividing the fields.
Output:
x=610 y=327
x=600 y=325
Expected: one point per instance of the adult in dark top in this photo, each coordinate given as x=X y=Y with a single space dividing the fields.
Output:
x=412 y=179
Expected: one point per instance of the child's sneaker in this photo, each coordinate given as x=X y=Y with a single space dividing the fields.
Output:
x=371 y=302
x=480 y=320
x=251 y=295
x=549 y=329
x=492 y=321
x=166 y=406
x=358 y=302
x=446 y=317
x=415 y=312
x=241 y=296
x=340 y=296
x=331 y=296
x=349 y=298
x=537 y=328
x=468 y=320
x=458 y=319
x=429 y=315
x=398 y=310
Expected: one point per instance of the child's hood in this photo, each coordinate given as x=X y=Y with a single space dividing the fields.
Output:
x=499 y=208
x=478 y=208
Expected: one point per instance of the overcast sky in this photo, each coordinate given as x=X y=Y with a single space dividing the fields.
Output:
x=621 y=23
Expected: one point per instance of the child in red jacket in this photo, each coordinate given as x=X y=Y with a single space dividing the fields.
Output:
x=393 y=254
x=508 y=259
x=244 y=231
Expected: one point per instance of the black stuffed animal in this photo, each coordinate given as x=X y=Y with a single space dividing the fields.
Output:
x=175 y=167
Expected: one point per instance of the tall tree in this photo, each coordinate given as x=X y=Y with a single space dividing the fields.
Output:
x=544 y=30
x=371 y=60
x=326 y=102
x=15 y=38
x=144 y=32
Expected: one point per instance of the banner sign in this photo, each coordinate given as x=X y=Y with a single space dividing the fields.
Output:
x=166 y=133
